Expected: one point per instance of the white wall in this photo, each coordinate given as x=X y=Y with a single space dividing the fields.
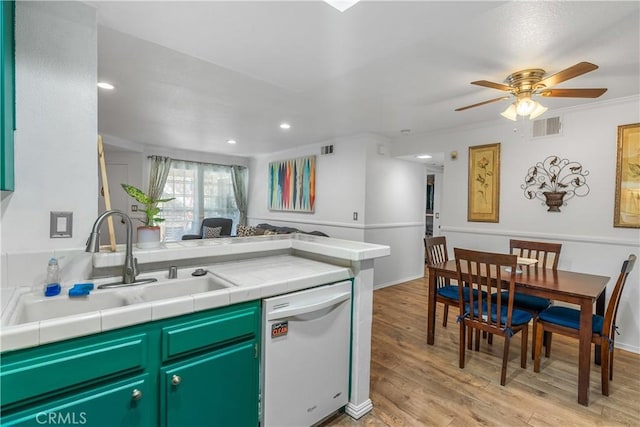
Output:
x=340 y=189
x=55 y=141
x=585 y=226
x=56 y=120
x=394 y=207
x=388 y=195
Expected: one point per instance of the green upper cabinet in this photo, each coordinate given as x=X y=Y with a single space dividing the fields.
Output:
x=7 y=94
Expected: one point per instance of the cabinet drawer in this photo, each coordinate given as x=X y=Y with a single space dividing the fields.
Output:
x=30 y=374
x=224 y=326
x=124 y=403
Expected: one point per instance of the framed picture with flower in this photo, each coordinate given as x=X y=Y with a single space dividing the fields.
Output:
x=627 y=199
x=484 y=183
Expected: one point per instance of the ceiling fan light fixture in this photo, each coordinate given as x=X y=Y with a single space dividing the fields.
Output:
x=341 y=5
x=525 y=105
x=510 y=113
x=540 y=110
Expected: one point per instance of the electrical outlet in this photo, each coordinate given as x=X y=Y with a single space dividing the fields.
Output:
x=355 y=216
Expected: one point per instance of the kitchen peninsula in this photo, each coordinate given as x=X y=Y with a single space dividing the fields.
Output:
x=245 y=270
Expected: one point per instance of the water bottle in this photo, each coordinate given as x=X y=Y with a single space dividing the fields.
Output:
x=52 y=282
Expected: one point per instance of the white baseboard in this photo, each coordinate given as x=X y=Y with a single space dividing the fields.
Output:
x=397 y=282
x=358 y=411
x=626 y=347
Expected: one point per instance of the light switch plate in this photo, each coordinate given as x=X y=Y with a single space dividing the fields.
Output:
x=61 y=225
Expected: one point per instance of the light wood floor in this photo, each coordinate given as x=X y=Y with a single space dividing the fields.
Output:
x=414 y=384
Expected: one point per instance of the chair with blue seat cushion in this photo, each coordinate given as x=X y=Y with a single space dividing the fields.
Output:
x=548 y=255
x=435 y=252
x=485 y=274
x=566 y=321
x=446 y=293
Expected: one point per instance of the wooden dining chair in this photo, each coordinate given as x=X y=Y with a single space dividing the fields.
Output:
x=496 y=273
x=435 y=253
x=548 y=255
x=566 y=321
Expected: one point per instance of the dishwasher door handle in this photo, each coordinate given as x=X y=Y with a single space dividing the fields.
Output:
x=309 y=308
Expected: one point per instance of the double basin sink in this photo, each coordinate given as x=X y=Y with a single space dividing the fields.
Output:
x=33 y=306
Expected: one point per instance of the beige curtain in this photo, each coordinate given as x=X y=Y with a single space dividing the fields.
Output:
x=158 y=175
x=239 y=180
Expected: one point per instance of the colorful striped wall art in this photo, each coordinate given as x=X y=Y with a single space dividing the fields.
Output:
x=292 y=184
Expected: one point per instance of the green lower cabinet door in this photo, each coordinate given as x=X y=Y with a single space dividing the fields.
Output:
x=218 y=389
x=127 y=403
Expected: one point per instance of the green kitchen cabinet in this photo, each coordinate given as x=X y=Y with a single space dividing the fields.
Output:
x=126 y=377
x=221 y=385
x=7 y=94
x=123 y=403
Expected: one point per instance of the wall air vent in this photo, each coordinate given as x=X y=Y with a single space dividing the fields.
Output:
x=326 y=149
x=547 y=127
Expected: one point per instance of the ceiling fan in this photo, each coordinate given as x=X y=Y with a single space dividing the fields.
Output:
x=525 y=84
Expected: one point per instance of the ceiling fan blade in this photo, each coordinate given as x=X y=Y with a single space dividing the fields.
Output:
x=482 y=103
x=492 y=85
x=568 y=73
x=573 y=93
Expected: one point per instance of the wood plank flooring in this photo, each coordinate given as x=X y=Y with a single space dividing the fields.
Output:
x=413 y=384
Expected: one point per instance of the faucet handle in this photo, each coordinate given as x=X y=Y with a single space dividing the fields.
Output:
x=135 y=267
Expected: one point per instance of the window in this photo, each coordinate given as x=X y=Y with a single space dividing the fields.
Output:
x=201 y=191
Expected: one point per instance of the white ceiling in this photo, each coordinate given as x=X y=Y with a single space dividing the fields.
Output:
x=195 y=74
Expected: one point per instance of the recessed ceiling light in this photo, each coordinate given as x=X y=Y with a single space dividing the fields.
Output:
x=231 y=141
x=285 y=126
x=423 y=156
x=105 y=85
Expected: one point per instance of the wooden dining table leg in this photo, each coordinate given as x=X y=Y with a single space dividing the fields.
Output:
x=584 y=358
x=431 y=307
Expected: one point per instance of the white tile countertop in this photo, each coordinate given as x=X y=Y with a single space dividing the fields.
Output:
x=202 y=248
x=249 y=279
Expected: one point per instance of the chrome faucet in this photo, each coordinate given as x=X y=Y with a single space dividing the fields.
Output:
x=129 y=269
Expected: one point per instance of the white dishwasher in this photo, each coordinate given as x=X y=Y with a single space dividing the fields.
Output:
x=305 y=355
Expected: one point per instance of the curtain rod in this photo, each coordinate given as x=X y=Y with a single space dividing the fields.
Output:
x=195 y=161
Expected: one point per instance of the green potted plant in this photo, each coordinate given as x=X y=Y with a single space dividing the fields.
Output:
x=149 y=233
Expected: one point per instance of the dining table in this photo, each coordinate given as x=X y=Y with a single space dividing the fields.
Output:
x=582 y=289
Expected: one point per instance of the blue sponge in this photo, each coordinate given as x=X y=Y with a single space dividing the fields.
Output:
x=80 y=289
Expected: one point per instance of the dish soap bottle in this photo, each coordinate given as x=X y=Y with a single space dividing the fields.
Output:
x=52 y=282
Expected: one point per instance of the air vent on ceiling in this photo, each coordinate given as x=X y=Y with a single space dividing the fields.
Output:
x=546 y=127
x=326 y=149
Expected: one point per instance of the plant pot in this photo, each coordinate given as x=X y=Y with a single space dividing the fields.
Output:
x=148 y=237
x=554 y=200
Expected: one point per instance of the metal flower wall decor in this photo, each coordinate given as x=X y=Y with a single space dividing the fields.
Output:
x=554 y=181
